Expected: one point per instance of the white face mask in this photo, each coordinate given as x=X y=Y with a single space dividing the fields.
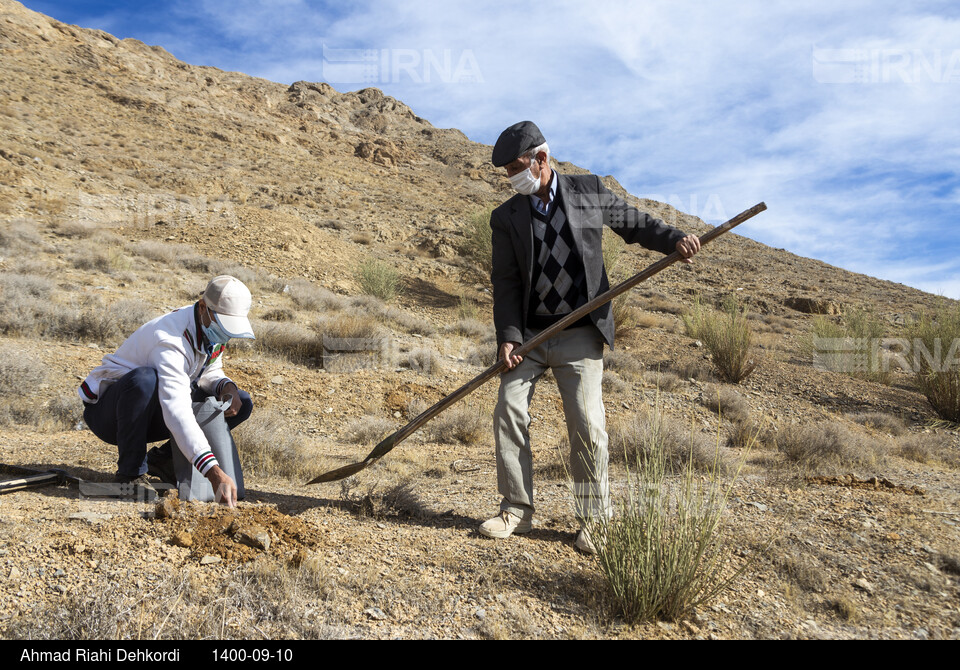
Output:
x=525 y=183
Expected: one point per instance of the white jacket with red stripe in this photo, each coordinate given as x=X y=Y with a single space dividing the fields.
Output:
x=173 y=346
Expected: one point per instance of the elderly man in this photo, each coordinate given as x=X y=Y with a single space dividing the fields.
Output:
x=143 y=392
x=547 y=261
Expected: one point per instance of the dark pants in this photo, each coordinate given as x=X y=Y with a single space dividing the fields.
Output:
x=128 y=414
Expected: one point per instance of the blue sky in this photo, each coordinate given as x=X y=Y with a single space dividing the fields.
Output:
x=837 y=114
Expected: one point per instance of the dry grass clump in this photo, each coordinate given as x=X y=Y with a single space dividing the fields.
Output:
x=19 y=235
x=411 y=323
x=72 y=229
x=461 y=423
x=295 y=343
x=398 y=499
x=478 y=240
x=350 y=326
x=726 y=403
x=613 y=384
x=648 y=320
x=747 y=434
x=655 y=301
x=470 y=328
x=631 y=437
x=307 y=295
x=26 y=315
x=845 y=344
x=665 y=381
x=829 y=447
x=666 y=549
x=929 y=448
x=425 y=361
x=368 y=429
x=888 y=423
x=268 y=446
x=262 y=598
x=727 y=336
x=627 y=365
x=379 y=279
x=19 y=370
x=938 y=376
x=17 y=286
x=279 y=314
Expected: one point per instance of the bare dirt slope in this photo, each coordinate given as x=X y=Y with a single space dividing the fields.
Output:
x=128 y=178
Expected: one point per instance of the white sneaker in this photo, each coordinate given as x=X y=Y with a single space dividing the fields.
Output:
x=504 y=525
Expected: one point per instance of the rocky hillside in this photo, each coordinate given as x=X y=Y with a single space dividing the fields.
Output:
x=127 y=178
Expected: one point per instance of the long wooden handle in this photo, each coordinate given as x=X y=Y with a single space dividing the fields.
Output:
x=399 y=436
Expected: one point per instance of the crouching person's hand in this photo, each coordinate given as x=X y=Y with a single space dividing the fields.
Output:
x=224 y=488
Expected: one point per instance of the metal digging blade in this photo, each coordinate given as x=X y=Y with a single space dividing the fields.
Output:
x=396 y=438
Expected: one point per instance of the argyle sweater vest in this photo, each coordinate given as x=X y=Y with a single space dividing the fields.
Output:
x=558 y=284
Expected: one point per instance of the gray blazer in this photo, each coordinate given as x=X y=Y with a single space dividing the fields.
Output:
x=589 y=206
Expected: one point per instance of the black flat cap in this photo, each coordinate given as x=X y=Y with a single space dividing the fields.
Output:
x=515 y=141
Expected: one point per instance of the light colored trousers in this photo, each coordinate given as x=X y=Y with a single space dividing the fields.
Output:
x=576 y=358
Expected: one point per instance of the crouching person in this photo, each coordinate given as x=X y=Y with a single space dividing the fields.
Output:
x=144 y=392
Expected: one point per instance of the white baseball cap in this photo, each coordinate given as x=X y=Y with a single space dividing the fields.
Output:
x=230 y=300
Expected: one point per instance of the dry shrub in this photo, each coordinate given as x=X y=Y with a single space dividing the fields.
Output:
x=279 y=314
x=655 y=301
x=19 y=235
x=264 y=598
x=16 y=286
x=939 y=380
x=268 y=446
x=829 y=447
x=72 y=229
x=470 y=328
x=726 y=403
x=929 y=448
x=627 y=365
x=462 y=423
x=306 y=295
x=293 y=342
x=350 y=326
x=424 y=360
x=399 y=499
x=888 y=423
x=631 y=437
x=746 y=434
x=727 y=336
x=648 y=320
x=665 y=551
x=478 y=240
x=379 y=279
x=411 y=323
x=19 y=370
x=368 y=429
x=613 y=384
x=855 y=326
x=665 y=381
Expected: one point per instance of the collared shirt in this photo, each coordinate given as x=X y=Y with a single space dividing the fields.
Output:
x=538 y=203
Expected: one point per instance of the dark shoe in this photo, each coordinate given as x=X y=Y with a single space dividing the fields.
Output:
x=160 y=464
x=138 y=488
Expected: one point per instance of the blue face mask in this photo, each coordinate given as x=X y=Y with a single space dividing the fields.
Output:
x=215 y=333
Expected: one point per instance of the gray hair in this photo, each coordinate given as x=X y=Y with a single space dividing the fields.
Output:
x=532 y=153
